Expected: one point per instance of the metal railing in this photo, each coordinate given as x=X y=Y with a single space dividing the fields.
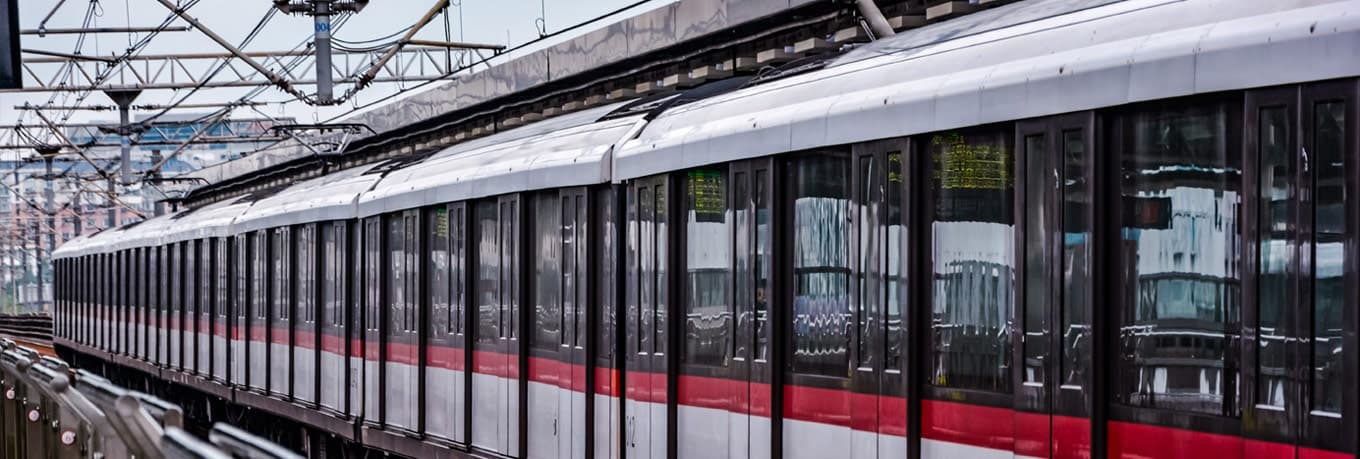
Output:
x=49 y=410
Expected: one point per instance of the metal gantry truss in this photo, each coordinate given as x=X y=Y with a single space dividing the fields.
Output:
x=26 y=137
x=184 y=71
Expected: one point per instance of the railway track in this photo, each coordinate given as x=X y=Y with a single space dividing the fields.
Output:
x=33 y=331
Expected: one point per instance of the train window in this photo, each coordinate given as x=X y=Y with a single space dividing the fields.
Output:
x=1275 y=251
x=1181 y=186
x=580 y=226
x=260 y=275
x=1329 y=227
x=241 y=267
x=396 y=272
x=509 y=268
x=973 y=243
x=869 y=274
x=221 y=271
x=306 y=274
x=283 y=273
x=1038 y=261
x=568 y=266
x=605 y=282
x=661 y=275
x=743 y=284
x=708 y=316
x=205 y=286
x=897 y=282
x=331 y=269
x=821 y=265
x=412 y=251
x=372 y=273
x=1076 y=274
x=459 y=265
x=488 y=273
x=762 y=264
x=567 y=271
x=547 y=334
x=191 y=290
x=438 y=269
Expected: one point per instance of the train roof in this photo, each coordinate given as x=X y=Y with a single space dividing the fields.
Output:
x=1023 y=60
x=570 y=150
x=329 y=197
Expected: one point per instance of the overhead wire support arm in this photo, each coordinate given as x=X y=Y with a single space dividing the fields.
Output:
x=372 y=72
x=84 y=30
x=456 y=45
x=67 y=140
x=273 y=77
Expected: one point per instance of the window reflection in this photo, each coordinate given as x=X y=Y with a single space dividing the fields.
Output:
x=973 y=248
x=708 y=317
x=1076 y=277
x=1329 y=131
x=762 y=265
x=1276 y=252
x=438 y=269
x=897 y=282
x=1038 y=257
x=1181 y=193
x=821 y=265
x=547 y=306
x=488 y=273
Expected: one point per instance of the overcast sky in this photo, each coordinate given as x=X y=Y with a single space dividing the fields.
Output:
x=509 y=22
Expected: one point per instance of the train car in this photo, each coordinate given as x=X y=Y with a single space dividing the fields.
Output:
x=316 y=210
x=488 y=190
x=1033 y=231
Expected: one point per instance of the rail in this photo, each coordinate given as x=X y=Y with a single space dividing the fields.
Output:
x=34 y=327
x=50 y=410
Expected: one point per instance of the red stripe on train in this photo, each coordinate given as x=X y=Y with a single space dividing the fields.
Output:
x=1131 y=440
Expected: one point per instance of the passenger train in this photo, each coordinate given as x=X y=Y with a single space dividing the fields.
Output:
x=1058 y=228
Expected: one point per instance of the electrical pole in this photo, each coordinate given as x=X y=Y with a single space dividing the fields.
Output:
x=123 y=98
x=321 y=15
x=111 y=220
x=321 y=11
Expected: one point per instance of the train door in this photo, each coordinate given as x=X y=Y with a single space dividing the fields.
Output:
x=606 y=420
x=155 y=306
x=217 y=338
x=165 y=290
x=556 y=388
x=206 y=290
x=137 y=285
x=335 y=364
x=575 y=284
x=401 y=362
x=306 y=336
x=258 y=361
x=239 y=251
x=1299 y=319
x=372 y=320
x=878 y=389
x=549 y=370
x=174 y=326
x=495 y=380
x=1052 y=402
x=280 y=316
x=645 y=406
x=445 y=359
x=751 y=190
x=191 y=289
